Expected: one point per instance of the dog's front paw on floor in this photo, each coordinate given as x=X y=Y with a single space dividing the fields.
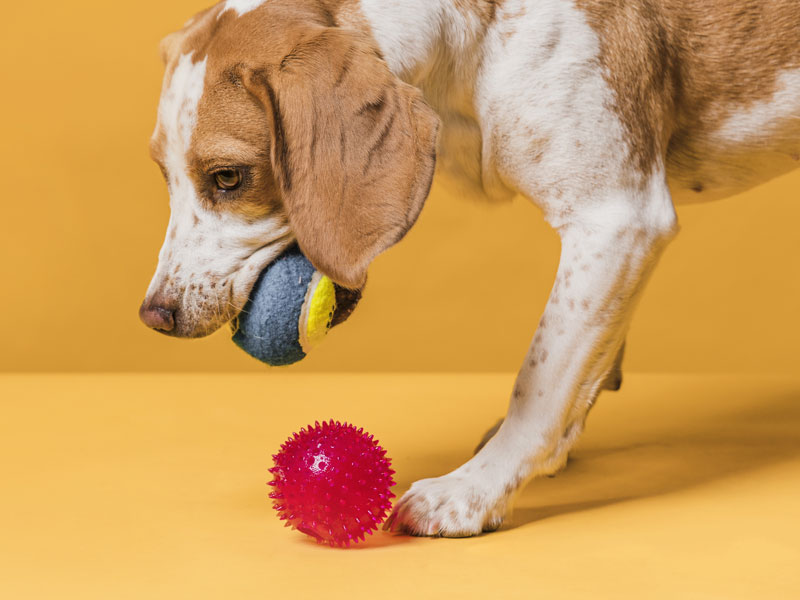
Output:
x=448 y=506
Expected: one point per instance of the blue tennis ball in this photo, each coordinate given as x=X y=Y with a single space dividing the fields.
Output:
x=290 y=310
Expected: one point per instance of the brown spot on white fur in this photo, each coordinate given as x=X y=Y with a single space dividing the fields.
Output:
x=485 y=10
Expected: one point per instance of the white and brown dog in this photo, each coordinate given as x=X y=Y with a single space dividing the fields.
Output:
x=318 y=121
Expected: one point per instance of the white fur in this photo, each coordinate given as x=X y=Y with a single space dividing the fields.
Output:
x=202 y=246
x=406 y=32
x=241 y=6
x=544 y=98
x=177 y=115
x=767 y=116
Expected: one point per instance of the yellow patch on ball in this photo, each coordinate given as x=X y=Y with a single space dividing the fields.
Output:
x=317 y=312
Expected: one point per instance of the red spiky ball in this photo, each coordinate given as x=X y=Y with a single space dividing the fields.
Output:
x=332 y=482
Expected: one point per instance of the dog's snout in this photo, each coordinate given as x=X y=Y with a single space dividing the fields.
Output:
x=157 y=316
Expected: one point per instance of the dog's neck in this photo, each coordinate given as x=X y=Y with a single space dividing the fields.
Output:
x=436 y=46
x=431 y=44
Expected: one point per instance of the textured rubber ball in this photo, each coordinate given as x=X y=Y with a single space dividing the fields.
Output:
x=332 y=482
x=290 y=310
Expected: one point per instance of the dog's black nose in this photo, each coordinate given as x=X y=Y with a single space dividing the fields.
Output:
x=157 y=317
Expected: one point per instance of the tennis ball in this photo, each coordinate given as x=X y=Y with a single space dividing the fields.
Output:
x=290 y=310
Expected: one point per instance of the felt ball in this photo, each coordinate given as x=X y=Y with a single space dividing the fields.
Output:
x=332 y=483
x=290 y=310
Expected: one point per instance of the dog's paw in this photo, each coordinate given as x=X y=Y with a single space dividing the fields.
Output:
x=448 y=506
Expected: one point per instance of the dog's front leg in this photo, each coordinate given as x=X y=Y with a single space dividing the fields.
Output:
x=606 y=257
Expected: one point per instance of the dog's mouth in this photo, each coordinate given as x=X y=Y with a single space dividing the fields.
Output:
x=202 y=307
x=224 y=300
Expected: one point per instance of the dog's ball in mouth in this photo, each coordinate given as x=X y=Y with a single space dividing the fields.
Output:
x=332 y=482
x=290 y=310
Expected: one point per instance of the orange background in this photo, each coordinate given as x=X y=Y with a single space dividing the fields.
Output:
x=151 y=485
x=84 y=212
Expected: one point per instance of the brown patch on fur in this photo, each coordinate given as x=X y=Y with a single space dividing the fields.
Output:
x=193 y=36
x=474 y=505
x=679 y=68
x=233 y=132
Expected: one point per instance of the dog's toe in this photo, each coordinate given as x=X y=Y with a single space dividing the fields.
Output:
x=446 y=506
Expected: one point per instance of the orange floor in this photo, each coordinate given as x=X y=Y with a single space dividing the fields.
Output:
x=152 y=486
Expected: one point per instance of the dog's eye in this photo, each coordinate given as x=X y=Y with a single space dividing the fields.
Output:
x=228 y=179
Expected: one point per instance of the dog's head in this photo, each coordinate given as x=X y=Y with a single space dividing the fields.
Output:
x=275 y=126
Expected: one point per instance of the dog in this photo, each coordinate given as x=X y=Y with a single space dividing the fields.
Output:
x=320 y=122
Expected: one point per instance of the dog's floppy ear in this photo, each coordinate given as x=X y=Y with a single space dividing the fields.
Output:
x=353 y=149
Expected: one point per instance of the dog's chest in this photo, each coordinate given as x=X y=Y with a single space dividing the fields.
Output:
x=459 y=145
x=449 y=85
